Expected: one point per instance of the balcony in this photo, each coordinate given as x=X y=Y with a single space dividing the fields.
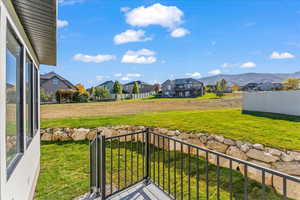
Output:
x=147 y=165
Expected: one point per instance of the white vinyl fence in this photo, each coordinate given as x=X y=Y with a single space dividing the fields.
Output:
x=128 y=96
x=283 y=102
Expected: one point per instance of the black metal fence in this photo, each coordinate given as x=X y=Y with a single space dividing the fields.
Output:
x=182 y=170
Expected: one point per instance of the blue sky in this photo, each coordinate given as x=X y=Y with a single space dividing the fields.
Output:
x=126 y=40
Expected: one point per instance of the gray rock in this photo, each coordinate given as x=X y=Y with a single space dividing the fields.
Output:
x=258 y=146
x=261 y=156
x=217 y=146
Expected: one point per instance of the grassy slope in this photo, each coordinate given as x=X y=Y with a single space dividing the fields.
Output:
x=269 y=129
x=64 y=173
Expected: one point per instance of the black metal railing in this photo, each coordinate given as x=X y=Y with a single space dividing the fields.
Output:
x=180 y=169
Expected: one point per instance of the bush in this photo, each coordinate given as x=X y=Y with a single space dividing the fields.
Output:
x=102 y=92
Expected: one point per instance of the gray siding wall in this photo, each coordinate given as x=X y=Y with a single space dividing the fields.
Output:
x=51 y=88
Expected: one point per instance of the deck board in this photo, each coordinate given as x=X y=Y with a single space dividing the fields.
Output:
x=141 y=192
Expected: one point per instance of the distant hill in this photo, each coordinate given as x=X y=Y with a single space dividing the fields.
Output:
x=243 y=79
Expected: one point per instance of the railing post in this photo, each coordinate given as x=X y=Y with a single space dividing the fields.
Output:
x=103 y=168
x=147 y=150
x=98 y=163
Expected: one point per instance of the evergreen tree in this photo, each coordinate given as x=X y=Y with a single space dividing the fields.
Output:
x=117 y=88
x=135 y=89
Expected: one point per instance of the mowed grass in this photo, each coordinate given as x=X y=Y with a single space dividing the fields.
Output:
x=150 y=104
x=275 y=130
x=65 y=172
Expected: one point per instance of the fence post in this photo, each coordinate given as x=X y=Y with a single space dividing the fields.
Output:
x=103 y=168
x=147 y=155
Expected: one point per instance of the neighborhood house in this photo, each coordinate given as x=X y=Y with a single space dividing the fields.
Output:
x=143 y=87
x=51 y=82
x=186 y=87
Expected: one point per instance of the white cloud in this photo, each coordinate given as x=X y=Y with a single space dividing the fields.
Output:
x=179 y=32
x=194 y=75
x=134 y=75
x=100 y=78
x=124 y=9
x=248 y=65
x=118 y=74
x=142 y=56
x=229 y=65
x=97 y=59
x=157 y=14
x=62 y=23
x=283 y=55
x=70 y=2
x=128 y=76
x=215 y=72
x=131 y=36
x=125 y=78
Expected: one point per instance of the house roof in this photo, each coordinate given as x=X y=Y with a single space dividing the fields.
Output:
x=139 y=82
x=106 y=82
x=185 y=80
x=50 y=75
x=38 y=19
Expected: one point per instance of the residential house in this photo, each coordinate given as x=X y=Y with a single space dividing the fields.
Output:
x=143 y=87
x=28 y=39
x=250 y=87
x=266 y=86
x=51 y=82
x=186 y=87
x=109 y=85
x=168 y=88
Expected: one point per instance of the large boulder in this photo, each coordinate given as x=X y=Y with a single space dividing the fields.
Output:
x=261 y=156
x=236 y=153
x=256 y=174
x=217 y=146
x=46 y=137
x=80 y=134
x=291 y=168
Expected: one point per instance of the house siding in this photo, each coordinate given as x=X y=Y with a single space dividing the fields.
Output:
x=51 y=88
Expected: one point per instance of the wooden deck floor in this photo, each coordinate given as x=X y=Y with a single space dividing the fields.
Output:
x=141 y=192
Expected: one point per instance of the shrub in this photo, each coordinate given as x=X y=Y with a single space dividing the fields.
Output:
x=102 y=92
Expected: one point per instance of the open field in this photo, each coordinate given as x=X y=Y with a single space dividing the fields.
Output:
x=65 y=173
x=207 y=102
x=275 y=130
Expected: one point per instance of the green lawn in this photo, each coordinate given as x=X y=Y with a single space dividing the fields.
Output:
x=270 y=129
x=65 y=172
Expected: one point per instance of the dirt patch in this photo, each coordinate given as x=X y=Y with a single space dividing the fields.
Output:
x=134 y=107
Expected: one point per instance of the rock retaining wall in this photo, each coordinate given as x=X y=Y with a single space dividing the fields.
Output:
x=282 y=160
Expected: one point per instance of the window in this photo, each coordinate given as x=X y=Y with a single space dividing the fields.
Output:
x=14 y=103
x=29 y=100
x=55 y=81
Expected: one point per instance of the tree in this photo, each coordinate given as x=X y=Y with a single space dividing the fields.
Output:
x=80 y=88
x=157 y=87
x=117 y=88
x=292 y=83
x=223 y=84
x=220 y=88
x=235 y=88
x=92 y=91
x=135 y=89
x=102 y=92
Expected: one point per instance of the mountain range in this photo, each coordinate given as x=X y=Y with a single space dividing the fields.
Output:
x=243 y=79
